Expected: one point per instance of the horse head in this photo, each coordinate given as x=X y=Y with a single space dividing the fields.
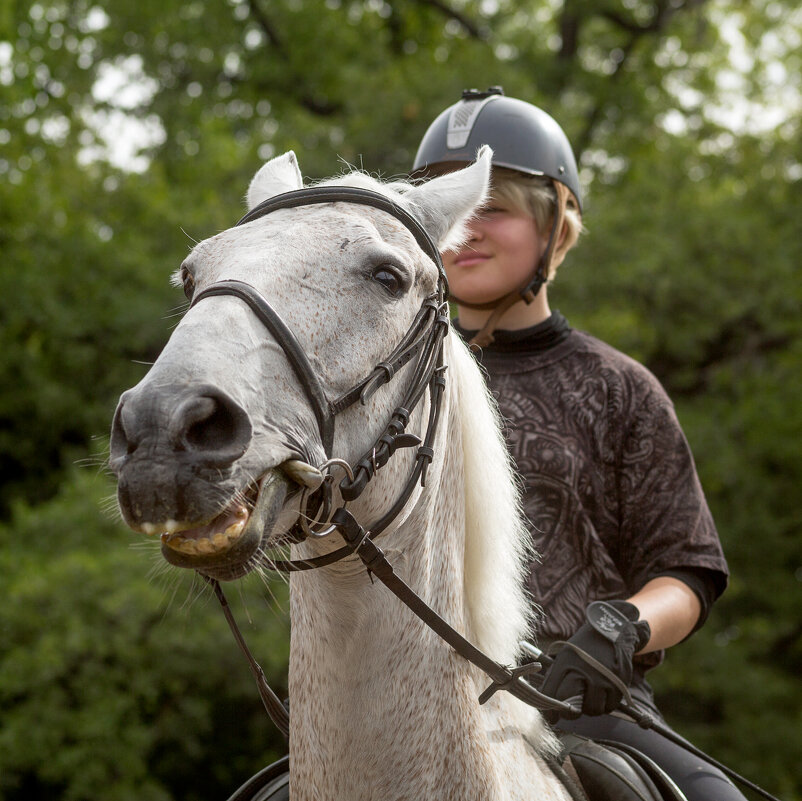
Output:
x=214 y=448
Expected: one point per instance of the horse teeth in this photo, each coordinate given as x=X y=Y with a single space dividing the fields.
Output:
x=204 y=546
x=234 y=530
x=167 y=527
x=182 y=545
x=220 y=540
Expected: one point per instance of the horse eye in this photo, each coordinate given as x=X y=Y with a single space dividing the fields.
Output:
x=389 y=279
x=188 y=282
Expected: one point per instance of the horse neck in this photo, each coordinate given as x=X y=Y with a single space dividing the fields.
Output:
x=366 y=676
x=381 y=707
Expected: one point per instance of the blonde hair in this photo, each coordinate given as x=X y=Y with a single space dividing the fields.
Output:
x=535 y=195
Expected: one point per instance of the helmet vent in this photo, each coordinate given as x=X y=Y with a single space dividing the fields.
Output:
x=461 y=120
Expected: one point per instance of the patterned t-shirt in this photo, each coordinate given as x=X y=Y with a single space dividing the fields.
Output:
x=610 y=485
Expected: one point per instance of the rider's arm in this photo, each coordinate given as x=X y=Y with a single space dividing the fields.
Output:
x=671 y=609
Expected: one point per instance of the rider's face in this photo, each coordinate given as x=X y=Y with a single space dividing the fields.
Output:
x=498 y=257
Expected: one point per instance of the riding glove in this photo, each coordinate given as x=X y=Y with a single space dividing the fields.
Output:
x=612 y=635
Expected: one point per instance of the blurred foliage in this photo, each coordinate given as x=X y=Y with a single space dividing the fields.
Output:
x=130 y=130
x=113 y=682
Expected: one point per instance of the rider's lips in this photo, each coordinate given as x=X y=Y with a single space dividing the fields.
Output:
x=470 y=258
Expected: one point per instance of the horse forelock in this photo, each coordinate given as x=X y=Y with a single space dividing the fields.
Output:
x=394 y=189
x=498 y=547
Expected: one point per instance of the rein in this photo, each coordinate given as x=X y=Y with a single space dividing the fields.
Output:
x=359 y=542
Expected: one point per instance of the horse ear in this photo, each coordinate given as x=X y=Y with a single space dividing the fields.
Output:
x=443 y=205
x=280 y=174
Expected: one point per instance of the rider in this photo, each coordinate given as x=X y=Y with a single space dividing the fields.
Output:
x=615 y=506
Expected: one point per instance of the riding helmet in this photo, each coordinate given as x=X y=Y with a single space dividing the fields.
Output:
x=523 y=137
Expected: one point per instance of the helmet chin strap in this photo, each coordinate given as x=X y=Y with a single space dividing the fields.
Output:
x=528 y=292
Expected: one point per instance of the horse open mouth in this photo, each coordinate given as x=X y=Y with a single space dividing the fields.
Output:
x=214 y=537
x=226 y=547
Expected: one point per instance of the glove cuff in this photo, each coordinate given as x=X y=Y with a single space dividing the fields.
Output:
x=624 y=616
x=625 y=607
x=642 y=628
x=644 y=632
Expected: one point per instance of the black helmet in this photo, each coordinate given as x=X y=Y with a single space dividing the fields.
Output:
x=523 y=137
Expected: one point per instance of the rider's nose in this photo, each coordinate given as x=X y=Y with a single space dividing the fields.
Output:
x=475 y=233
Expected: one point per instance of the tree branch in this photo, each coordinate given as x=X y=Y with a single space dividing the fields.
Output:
x=315 y=104
x=267 y=27
x=569 y=34
x=474 y=30
x=665 y=11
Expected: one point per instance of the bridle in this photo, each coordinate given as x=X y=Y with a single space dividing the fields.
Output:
x=424 y=340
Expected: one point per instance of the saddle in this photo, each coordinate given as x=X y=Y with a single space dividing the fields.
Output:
x=602 y=770
x=269 y=784
x=591 y=770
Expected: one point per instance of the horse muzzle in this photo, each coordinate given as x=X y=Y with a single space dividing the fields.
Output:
x=174 y=450
x=200 y=426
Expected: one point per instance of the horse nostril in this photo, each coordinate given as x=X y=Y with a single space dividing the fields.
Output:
x=213 y=427
x=120 y=444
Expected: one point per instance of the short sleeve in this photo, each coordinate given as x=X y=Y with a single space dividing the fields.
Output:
x=665 y=522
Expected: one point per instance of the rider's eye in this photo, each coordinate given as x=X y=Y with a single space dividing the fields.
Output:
x=389 y=279
x=187 y=282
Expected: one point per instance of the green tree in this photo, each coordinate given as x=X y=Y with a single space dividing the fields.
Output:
x=686 y=118
x=114 y=681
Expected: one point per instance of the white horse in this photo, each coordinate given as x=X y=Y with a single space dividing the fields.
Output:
x=211 y=448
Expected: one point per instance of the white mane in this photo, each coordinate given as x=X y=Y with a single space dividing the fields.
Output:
x=497 y=544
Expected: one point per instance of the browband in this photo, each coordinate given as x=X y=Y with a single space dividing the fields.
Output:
x=351 y=194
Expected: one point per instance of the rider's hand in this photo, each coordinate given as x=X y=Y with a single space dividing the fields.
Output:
x=611 y=637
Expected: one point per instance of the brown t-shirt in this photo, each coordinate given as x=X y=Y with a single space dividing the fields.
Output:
x=610 y=486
